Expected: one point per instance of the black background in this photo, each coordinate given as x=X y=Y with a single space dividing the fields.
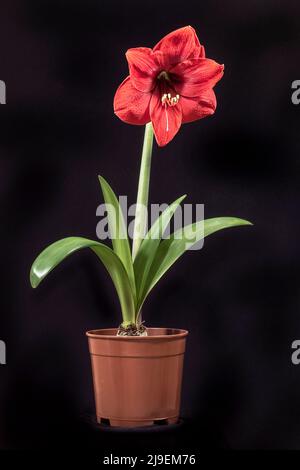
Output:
x=239 y=297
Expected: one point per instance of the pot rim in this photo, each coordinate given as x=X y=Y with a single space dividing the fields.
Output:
x=176 y=333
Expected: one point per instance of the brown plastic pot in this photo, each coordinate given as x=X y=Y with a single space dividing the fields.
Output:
x=137 y=379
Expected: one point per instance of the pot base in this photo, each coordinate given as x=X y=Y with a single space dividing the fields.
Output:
x=125 y=423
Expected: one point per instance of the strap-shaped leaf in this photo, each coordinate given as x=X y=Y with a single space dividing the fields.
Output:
x=49 y=258
x=118 y=230
x=150 y=244
x=171 y=249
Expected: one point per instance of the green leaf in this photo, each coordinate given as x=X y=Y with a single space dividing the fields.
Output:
x=171 y=249
x=150 y=244
x=118 y=230
x=49 y=258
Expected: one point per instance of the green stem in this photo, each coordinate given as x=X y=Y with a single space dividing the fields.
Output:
x=140 y=221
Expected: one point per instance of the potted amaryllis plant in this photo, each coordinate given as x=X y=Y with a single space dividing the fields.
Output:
x=137 y=370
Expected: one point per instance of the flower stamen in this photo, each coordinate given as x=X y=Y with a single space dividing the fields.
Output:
x=168 y=99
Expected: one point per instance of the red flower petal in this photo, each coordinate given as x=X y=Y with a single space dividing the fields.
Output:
x=191 y=77
x=178 y=45
x=166 y=119
x=142 y=67
x=202 y=106
x=198 y=53
x=131 y=105
x=163 y=60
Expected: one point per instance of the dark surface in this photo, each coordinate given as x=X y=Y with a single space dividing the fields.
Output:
x=186 y=434
x=238 y=297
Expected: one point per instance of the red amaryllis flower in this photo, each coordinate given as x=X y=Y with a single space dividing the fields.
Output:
x=169 y=85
